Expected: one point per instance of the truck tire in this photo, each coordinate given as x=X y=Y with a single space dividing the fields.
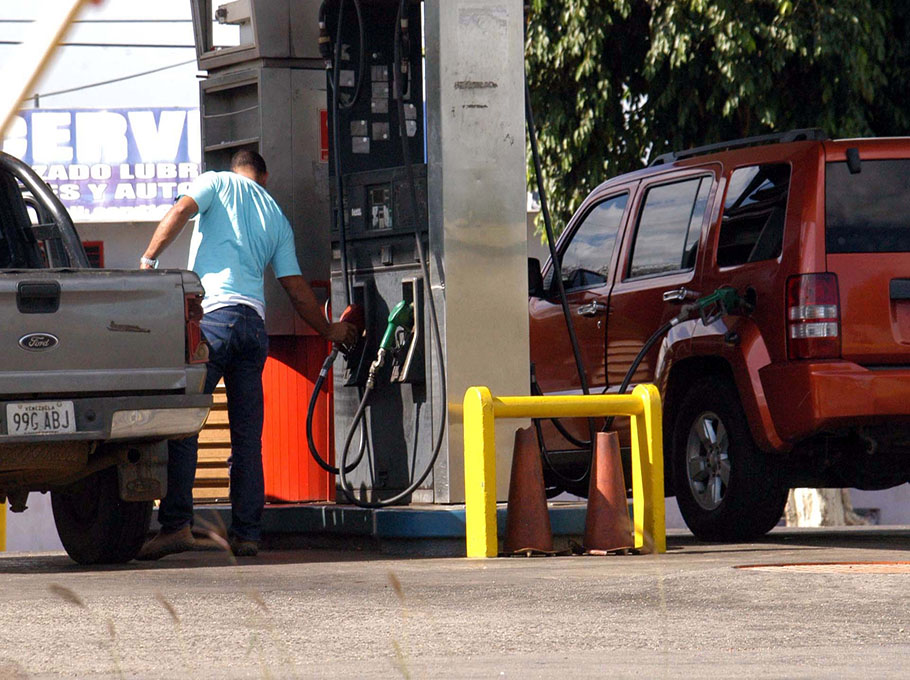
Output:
x=726 y=487
x=95 y=525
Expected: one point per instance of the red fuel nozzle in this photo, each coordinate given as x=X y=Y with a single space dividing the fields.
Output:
x=353 y=314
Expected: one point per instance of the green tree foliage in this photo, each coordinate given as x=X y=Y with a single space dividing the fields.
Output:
x=616 y=82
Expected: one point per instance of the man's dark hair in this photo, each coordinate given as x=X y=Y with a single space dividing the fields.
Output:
x=249 y=159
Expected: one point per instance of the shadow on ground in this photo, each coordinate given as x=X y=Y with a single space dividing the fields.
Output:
x=856 y=538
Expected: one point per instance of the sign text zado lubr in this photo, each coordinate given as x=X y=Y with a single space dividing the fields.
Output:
x=111 y=165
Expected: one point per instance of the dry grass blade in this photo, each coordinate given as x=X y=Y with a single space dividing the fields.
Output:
x=268 y=623
x=10 y=670
x=224 y=545
x=115 y=653
x=178 y=627
x=66 y=594
x=400 y=663
x=217 y=533
x=213 y=526
x=396 y=586
x=162 y=600
x=258 y=600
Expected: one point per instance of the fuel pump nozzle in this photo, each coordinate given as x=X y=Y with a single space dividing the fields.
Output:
x=711 y=307
x=353 y=314
x=401 y=316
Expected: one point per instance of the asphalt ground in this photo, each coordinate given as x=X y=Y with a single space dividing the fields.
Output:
x=691 y=613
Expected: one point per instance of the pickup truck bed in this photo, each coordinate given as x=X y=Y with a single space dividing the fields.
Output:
x=98 y=369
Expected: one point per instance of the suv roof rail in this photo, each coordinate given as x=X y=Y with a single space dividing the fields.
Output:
x=801 y=135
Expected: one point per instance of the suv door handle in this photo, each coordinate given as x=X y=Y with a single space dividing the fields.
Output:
x=592 y=309
x=680 y=295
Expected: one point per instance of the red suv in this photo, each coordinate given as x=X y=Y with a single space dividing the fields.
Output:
x=809 y=388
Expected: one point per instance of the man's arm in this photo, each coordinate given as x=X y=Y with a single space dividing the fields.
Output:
x=307 y=306
x=170 y=226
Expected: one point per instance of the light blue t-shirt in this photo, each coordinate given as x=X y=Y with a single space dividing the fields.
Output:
x=240 y=231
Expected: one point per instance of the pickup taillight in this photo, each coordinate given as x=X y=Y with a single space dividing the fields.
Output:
x=197 y=352
x=813 y=317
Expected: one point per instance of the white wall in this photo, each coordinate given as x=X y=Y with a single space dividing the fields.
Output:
x=125 y=243
x=33 y=529
x=894 y=503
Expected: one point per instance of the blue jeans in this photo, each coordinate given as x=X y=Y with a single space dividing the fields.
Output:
x=238 y=347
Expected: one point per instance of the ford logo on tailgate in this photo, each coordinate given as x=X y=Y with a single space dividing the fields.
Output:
x=38 y=342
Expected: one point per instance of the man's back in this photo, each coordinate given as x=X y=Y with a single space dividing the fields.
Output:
x=240 y=231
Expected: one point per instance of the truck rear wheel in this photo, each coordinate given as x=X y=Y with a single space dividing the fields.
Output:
x=726 y=488
x=95 y=525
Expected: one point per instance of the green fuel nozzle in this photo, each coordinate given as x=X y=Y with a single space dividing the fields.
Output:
x=711 y=307
x=401 y=316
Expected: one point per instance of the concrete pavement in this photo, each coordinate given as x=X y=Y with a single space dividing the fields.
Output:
x=318 y=614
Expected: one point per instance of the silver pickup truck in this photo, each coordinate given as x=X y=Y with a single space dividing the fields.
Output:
x=98 y=369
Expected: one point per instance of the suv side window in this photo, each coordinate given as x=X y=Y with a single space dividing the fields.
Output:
x=586 y=260
x=752 y=228
x=669 y=227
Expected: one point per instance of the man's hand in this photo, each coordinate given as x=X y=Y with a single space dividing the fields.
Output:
x=304 y=301
x=169 y=228
x=342 y=333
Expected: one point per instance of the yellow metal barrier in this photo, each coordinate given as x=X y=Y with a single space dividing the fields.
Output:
x=481 y=409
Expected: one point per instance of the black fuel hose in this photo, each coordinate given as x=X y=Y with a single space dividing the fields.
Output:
x=657 y=335
x=649 y=343
x=551 y=242
x=358 y=83
x=561 y=479
x=311 y=409
x=338 y=213
x=337 y=107
x=561 y=290
x=568 y=436
x=401 y=19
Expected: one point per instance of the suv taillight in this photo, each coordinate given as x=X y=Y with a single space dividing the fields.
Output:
x=813 y=317
x=197 y=352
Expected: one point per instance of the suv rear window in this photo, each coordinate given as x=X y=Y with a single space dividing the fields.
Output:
x=752 y=228
x=867 y=212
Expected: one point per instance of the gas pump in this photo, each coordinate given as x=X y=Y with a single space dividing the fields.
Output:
x=376 y=110
x=414 y=200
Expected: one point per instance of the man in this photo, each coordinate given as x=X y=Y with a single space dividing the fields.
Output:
x=239 y=232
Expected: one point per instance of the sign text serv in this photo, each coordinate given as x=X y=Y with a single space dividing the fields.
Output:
x=111 y=165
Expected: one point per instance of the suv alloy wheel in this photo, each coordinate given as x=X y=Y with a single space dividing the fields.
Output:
x=725 y=486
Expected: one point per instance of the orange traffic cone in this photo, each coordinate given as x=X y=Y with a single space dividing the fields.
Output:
x=527 y=518
x=607 y=524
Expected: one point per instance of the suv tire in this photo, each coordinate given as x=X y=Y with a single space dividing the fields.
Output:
x=725 y=487
x=95 y=525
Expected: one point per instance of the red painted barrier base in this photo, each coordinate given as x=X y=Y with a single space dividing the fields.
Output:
x=290 y=374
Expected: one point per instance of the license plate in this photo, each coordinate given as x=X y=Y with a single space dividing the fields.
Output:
x=40 y=417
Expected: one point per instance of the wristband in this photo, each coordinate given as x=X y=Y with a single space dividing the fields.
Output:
x=153 y=263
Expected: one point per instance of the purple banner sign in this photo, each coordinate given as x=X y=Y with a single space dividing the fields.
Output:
x=111 y=165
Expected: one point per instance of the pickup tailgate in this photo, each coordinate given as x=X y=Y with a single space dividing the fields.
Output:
x=867 y=235
x=84 y=331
